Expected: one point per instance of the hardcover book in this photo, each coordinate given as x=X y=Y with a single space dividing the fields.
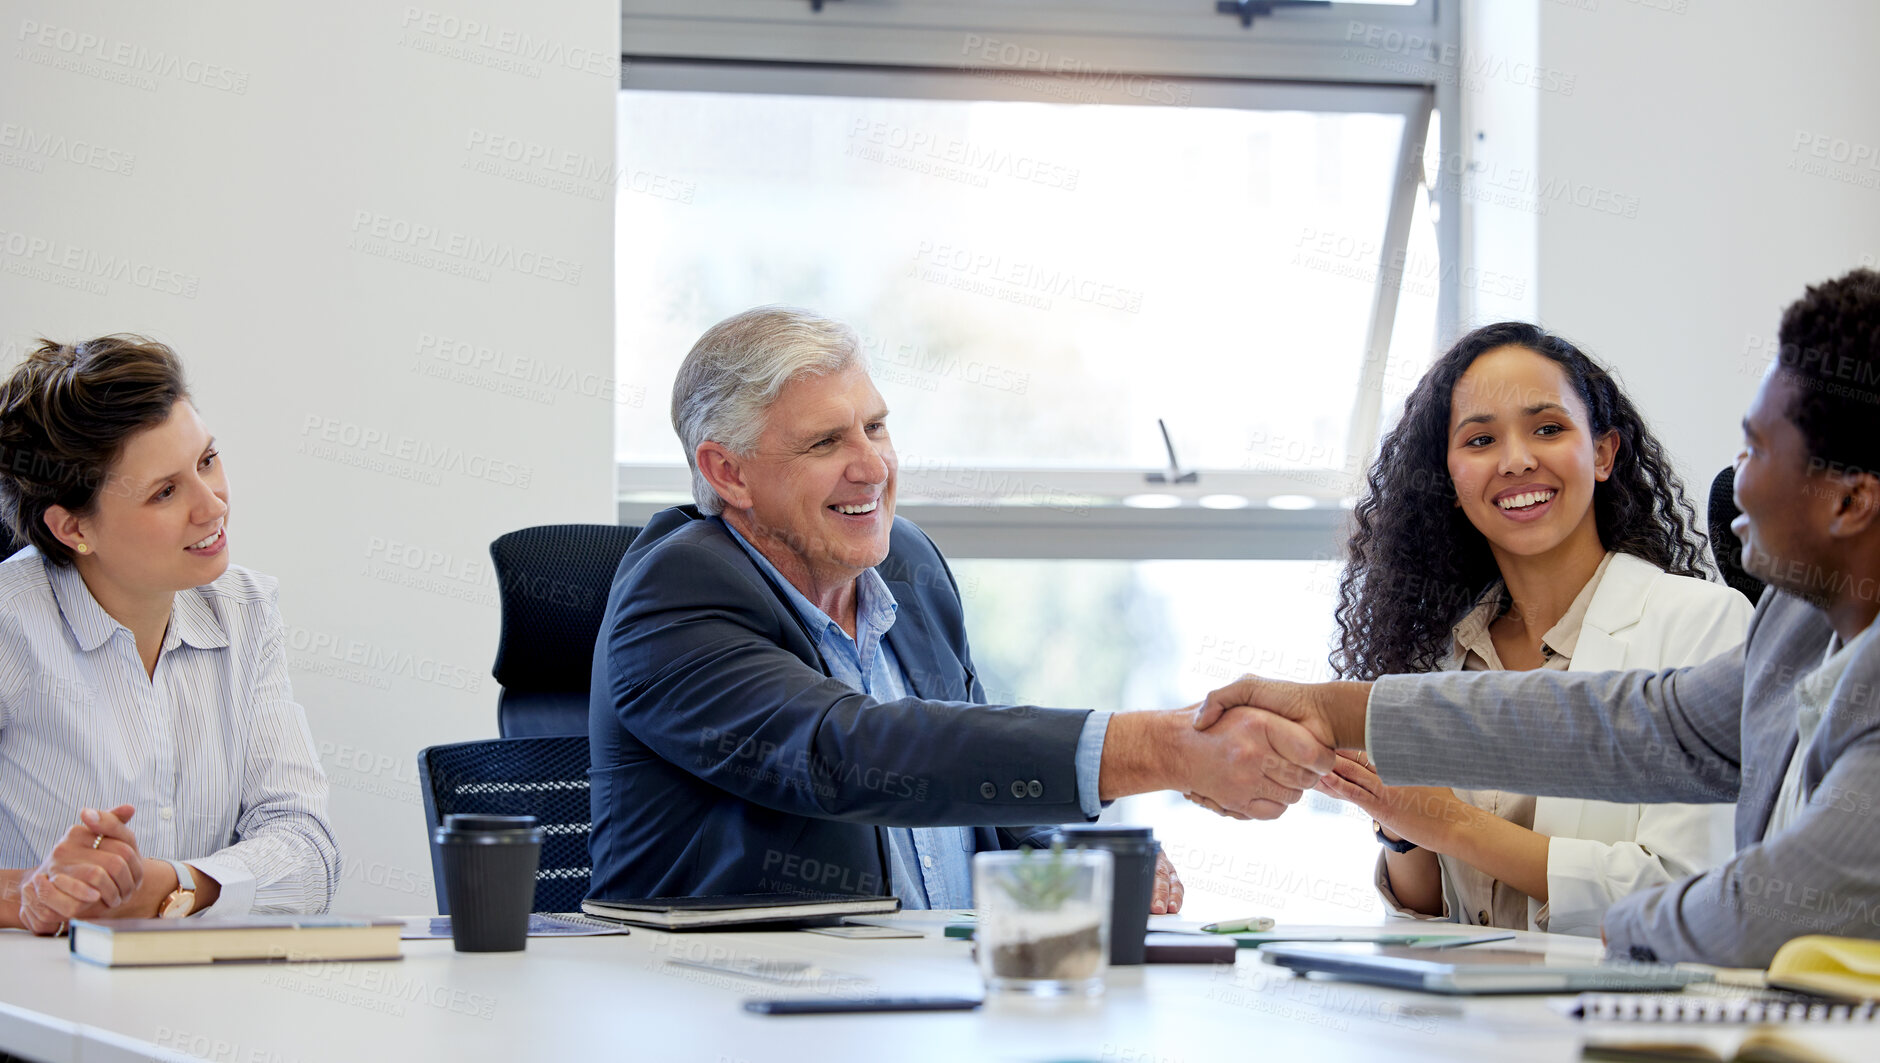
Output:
x=286 y=938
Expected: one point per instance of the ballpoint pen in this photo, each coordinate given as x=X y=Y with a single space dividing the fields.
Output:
x=1240 y=926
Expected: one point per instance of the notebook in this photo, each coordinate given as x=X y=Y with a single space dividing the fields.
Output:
x=552 y=925
x=1774 y=1007
x=698 y=913
x=141 y=942
x=1756 y=1045
x=1816 y=978
x=1473 y=970
x=1848 y=968
x=1255 y=939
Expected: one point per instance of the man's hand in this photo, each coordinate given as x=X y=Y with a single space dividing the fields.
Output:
x=1333 y=713
x=1423 y=814
x=1259 y=764
x=1251 y=763
x=1167 y=898
x=94 y=869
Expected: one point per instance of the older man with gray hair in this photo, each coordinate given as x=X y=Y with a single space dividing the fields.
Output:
x=783 y=698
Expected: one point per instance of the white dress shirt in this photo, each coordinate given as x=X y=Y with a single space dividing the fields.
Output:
x=1813 y=695
x=211 y=749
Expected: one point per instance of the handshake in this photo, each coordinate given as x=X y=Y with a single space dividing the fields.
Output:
x=1247 y=751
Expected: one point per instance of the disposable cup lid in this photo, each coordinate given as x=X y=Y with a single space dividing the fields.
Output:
x=1106 y=835
x=1105 y=830
x=478 y=821
x=487 y=829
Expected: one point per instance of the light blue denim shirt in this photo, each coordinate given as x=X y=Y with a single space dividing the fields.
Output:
x=930 y=867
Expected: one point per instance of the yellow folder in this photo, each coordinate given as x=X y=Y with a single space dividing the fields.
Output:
x=1836 y=966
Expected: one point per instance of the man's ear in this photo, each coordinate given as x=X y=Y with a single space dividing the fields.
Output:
x=725 y=472
x=64 y=526
x=1858 y=509
x=1605 y=455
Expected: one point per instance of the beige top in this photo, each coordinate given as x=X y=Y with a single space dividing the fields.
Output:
x=1486 y=900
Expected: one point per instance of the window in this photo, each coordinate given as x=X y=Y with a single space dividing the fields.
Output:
x=1036 y=283
x=1048 y=278
x=1118 y=635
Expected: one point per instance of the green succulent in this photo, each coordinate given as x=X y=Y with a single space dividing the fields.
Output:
x=1041 y=883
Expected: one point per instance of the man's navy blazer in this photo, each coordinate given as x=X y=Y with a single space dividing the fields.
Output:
x=726 y=760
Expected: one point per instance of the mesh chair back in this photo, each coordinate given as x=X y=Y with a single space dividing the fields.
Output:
x=542 y=777
x=1725 y=548
x=554 y=581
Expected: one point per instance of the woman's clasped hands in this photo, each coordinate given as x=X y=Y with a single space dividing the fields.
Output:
x=94 y=870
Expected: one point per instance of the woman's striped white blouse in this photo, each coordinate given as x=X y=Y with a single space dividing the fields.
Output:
x=212 y=749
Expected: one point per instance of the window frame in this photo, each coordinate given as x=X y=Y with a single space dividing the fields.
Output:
x=1292 y=42
x=897 y=49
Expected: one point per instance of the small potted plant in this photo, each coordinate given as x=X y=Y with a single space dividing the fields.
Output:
x=1043 y=919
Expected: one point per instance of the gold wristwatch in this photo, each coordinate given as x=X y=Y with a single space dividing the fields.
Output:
x=182 y=900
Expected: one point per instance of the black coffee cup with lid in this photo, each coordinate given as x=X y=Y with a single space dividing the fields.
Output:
x=489 y=879
x=1133 y=852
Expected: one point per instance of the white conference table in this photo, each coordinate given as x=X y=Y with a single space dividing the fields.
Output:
x=620 y=998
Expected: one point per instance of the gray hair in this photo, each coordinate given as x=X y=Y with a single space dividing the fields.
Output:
x=737 y=369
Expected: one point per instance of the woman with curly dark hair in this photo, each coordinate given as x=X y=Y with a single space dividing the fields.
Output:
x=1521 y=515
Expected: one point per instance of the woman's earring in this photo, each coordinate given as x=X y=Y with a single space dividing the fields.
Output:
x=83 y=549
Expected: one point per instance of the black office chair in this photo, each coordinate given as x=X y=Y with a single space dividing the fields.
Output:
x=554 y=580
x=1725 y=548
x=542 y=777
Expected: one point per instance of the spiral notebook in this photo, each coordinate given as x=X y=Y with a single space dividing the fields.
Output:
x=1680 y=1007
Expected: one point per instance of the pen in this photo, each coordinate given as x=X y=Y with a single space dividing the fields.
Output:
x=1240 y=926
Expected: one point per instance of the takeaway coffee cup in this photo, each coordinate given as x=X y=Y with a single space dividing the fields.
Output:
x=489 y=879
x=1133 y=850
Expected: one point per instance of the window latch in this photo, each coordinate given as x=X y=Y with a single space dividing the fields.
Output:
x=1174 y=475
x=1248 y=10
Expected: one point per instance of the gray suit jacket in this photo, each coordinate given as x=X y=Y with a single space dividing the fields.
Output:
x=1723 y=730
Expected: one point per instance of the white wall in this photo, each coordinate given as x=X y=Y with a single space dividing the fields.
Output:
x=1500 y=113
x=1698 y=120
x=297 y=194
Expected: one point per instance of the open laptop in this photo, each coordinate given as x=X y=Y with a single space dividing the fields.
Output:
x=1474 y=970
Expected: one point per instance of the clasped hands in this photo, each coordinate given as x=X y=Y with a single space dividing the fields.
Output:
x=1287 y=738
x=94 y=871
x=1274 y=740
x=1254 y=747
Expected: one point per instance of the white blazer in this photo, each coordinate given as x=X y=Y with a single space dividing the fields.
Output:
x=1640 y=616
